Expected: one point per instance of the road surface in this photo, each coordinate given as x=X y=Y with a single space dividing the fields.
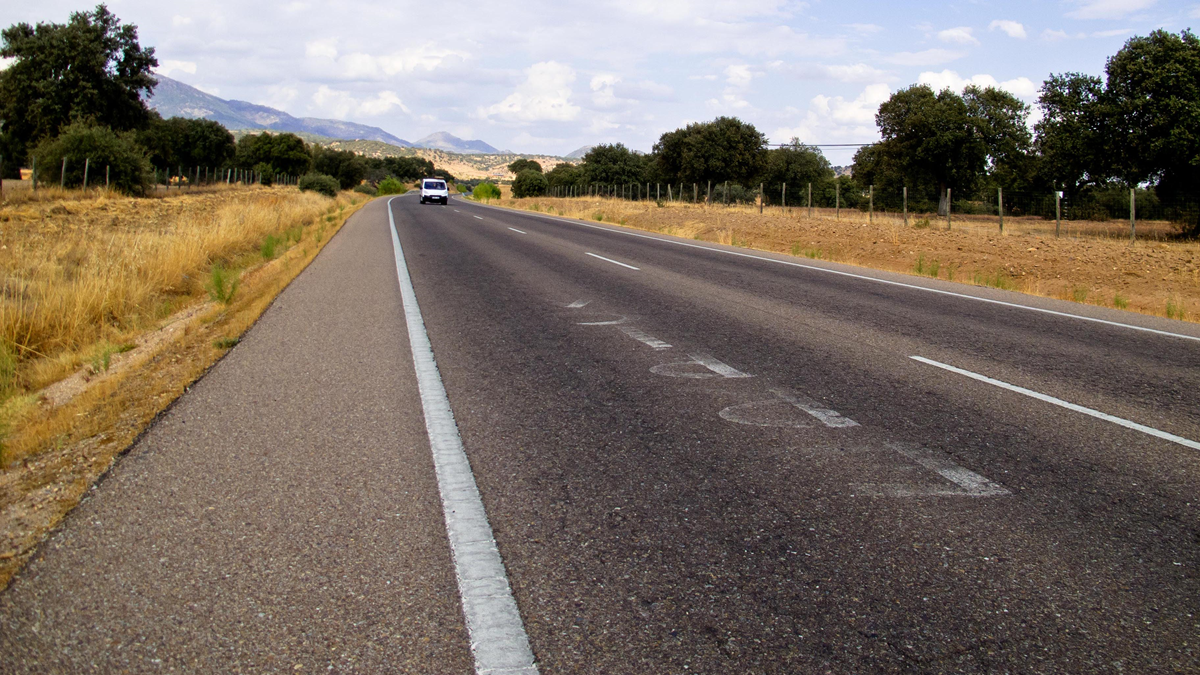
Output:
x=692 y=458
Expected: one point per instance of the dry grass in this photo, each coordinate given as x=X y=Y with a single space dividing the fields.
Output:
x=55 y=450
x=1091 y=262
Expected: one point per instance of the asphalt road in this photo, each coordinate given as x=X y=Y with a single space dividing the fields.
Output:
x=693 y=458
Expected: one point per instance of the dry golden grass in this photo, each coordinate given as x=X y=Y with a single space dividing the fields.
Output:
x=53 y=453
x=1092 y=262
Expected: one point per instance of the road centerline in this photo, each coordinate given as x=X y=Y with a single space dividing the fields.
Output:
x=518 y=231
x=613 y=261
x=499 y=642
x=1064 y=404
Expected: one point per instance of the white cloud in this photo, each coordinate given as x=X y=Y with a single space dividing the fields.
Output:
x=727 y=103
x=856 y=72
x=1112 y=33
x=1054 y=35
x=1195 y=13
x=1108 y=9
x=739 y=76
x=959 y=36
x=280 y=96
x=342 y=105
x=545 y=95
x=1021 y=87
x=325 y=48
x=929 y=57
x=834 y=119
x=168 y=67
x=1012 y=28
x=866 y=28
x=178 y=21
x=611 y=91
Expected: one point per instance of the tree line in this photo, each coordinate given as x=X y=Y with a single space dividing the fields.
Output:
x=75 y=92
x=1137 y=128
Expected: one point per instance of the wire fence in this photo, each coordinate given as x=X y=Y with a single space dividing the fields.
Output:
x=74 y=173
x=1113 y=213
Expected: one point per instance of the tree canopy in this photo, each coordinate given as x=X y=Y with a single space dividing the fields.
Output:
x=180 y=142
x=284 y=153
x=89 y=69
x=723 y=149
x=613 y=164
x=523 y=164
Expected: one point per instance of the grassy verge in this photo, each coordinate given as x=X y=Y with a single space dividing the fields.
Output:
x=1152 y=277
x=127 y=302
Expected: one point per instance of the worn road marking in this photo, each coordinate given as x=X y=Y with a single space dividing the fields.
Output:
x=614 y=322
x=645 y=339
x=613 y=261
x=457 y=211
x=864 y=277
x=970 y=484
x=517 y=231
x=498 y=639
x=688 y=369
x=480 y=218
x=781 y=412
x=578 y=303
x=1065 y=404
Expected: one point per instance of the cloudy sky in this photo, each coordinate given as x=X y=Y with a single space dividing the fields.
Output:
x=550 y=76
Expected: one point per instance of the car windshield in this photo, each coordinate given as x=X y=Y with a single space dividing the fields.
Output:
x=434 y=185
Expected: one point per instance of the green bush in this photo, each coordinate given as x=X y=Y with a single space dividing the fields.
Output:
x=319 y=182
x=365 y=188
x=486 y=191
x=266 y=173
x=98 y=147
x=462 y=189
x=529 y=183
x=391 y=186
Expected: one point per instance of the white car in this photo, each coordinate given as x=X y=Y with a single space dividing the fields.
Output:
x=434 y=190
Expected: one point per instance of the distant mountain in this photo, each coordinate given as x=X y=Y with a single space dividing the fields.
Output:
x=442 y=140
x=173 y=98
x=578 y=154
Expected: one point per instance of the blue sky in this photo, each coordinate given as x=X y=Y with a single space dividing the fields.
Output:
x=548 y=77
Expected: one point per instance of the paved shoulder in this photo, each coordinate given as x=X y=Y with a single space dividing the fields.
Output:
x=282 y=516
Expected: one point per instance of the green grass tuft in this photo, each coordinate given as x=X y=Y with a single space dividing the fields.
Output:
x=226 y=343
x=222 y=284
x=1120 y=301
x=269 y=246
x=1175 y=308
x=1079 y=293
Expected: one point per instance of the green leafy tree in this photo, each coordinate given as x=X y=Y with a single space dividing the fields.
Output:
x=1154 y=92
x=797 y=165
x=1073 y=134
x=98 y=148
x=565 y=175
x=181 y=142
x=285 y=153
x=485 y=191
x=346 y=166
x=524 y=165
x=408 y=169
x=529 y=183
x=723 y=149
x=613 y=165
x=91 y=68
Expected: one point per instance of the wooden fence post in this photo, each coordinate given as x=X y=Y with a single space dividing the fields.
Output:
x=783 y=198
x=762 y=197
x=810 y=200
x=948 y=208
x=871 y=204
x=906 y=206
x=1000 y=207
x=1057 y=212
x=1132 y=216
x=62 y=178
x=837 y=201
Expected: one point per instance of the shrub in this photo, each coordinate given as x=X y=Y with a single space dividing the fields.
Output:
x=365 y=188
x=391 y=186
x=319 y=183
x=486 y=191
x=529 y=183
x=266 y=173
x=129 y=170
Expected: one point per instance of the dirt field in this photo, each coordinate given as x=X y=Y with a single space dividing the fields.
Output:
x=1093 y=263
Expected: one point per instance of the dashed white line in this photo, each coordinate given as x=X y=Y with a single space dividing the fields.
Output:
x=478 y=217
x=864 y=277
x=648 y=340
x=614 y=322
x=498 y=639
x=613 y=261
x=686 y=369
x=517 y=231
x=1064 y=404
x=830 y=418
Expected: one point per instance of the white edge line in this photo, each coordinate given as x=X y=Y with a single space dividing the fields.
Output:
x=1065 y=404
x=518 y=231
x=864 y=277
x=613 y=261
x=498 y=639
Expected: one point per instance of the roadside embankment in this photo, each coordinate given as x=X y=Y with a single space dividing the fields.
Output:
x=110 y=307
x=1160 y=276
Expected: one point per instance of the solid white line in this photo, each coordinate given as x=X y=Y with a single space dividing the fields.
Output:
x=498 y=639
x=645 y=339
x=517 y=231
x=864 y=277
x=1069 y=406
x=612 y=261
